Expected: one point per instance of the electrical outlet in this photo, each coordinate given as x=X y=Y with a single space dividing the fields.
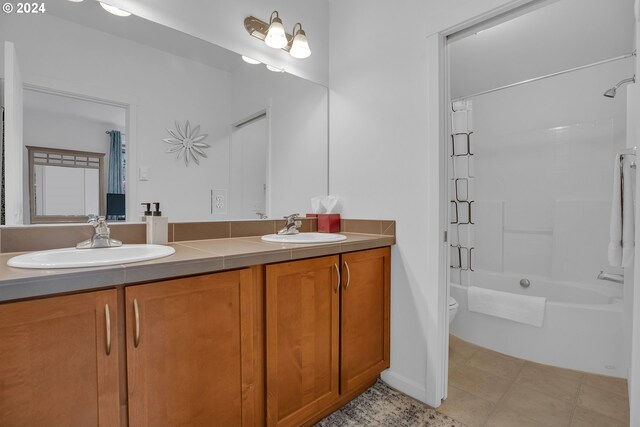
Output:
x=219 y=202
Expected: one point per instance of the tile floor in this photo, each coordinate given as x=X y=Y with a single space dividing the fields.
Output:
x=489 y=389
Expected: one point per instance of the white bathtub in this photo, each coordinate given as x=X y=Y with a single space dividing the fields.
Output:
x=582 y=327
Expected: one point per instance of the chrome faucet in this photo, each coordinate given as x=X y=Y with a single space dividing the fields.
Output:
x=291 y=227
x=101 y=236
x=611 y=277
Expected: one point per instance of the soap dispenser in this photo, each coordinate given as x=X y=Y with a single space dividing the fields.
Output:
x=157 y=227
x=147 y=211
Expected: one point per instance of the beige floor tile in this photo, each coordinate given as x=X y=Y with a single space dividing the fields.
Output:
x=614 y=385
x=585 y=418
x=505 y=418
x=479 y=383
x=455 y=365
x=460 y=351
x=466 y=408
x=604 y=402
x=495 y=363
x=555 y=382
x=537 y=406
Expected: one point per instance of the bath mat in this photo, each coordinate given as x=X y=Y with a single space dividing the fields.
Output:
x=382 y=406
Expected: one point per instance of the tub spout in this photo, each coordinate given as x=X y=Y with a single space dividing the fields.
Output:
x=616 y=278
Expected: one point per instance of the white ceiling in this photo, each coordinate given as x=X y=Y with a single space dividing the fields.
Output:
x=556 y=37
x=91 y=14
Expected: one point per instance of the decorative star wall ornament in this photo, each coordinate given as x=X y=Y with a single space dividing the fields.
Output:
x=187 y=143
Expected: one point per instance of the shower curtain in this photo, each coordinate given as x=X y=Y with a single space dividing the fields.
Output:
x=461 y=180
x=115 y=163
x=115 y=179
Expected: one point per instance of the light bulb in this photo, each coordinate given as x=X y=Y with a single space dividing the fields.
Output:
x=300 y=45
x=276 y=37
x=76 y=1
x=250 y=60
x=114 y=10
x=274 y=69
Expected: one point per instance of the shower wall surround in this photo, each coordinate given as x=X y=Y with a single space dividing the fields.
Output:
x=543 y=185
x=543 y=180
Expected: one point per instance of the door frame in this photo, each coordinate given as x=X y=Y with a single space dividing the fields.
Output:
x=13 y=138
x=437 y=113
x=634 y=368
x=260 y=114
x=128 y=103
x=438 y=119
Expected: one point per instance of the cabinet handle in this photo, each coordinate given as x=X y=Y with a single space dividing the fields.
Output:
x=136 y=312
x=346 y=286
x=107 y=317
x=339 y=278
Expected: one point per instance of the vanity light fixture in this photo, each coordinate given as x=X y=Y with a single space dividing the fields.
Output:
x=250 y=60
x=276 y=36
x=273 y=35
x=114 y=10
x=299 y=44
x=274 y=69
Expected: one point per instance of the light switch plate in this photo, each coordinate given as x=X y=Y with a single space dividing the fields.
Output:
x=143 y=173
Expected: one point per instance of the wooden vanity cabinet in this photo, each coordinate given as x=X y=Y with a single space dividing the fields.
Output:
x=364 y=326
x=200 y=350
x=59 y=361
x=190 y=351
x=327 y=334
x=302 y=339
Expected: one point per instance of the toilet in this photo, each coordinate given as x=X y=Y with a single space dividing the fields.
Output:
x=453 y=308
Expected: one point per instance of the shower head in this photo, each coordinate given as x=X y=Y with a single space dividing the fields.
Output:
x=611 y=93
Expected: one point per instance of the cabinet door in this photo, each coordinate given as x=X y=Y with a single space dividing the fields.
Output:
x=302 y=308
x=190 y=351
x=55 y=365
x=365 y=317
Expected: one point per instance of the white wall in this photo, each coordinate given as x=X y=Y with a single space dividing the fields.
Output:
x=68 y=130
x=378 y=134
x=222 y=23
x=543 y=156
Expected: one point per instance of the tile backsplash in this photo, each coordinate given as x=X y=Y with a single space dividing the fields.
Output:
x=43 y=237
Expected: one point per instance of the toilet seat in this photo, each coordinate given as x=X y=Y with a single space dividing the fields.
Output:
x=453 y=308
x=452 y=302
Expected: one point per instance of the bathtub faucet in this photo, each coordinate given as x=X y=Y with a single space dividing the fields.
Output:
x=616 y=278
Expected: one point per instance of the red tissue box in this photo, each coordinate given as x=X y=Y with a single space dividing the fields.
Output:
x=327 y=223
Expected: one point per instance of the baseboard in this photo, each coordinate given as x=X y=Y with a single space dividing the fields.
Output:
x=405 y=385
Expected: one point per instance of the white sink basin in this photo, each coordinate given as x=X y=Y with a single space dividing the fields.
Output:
x=304 y=238
x=72 y=257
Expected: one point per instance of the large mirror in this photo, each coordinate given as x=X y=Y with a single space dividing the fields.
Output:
x=184 y=122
